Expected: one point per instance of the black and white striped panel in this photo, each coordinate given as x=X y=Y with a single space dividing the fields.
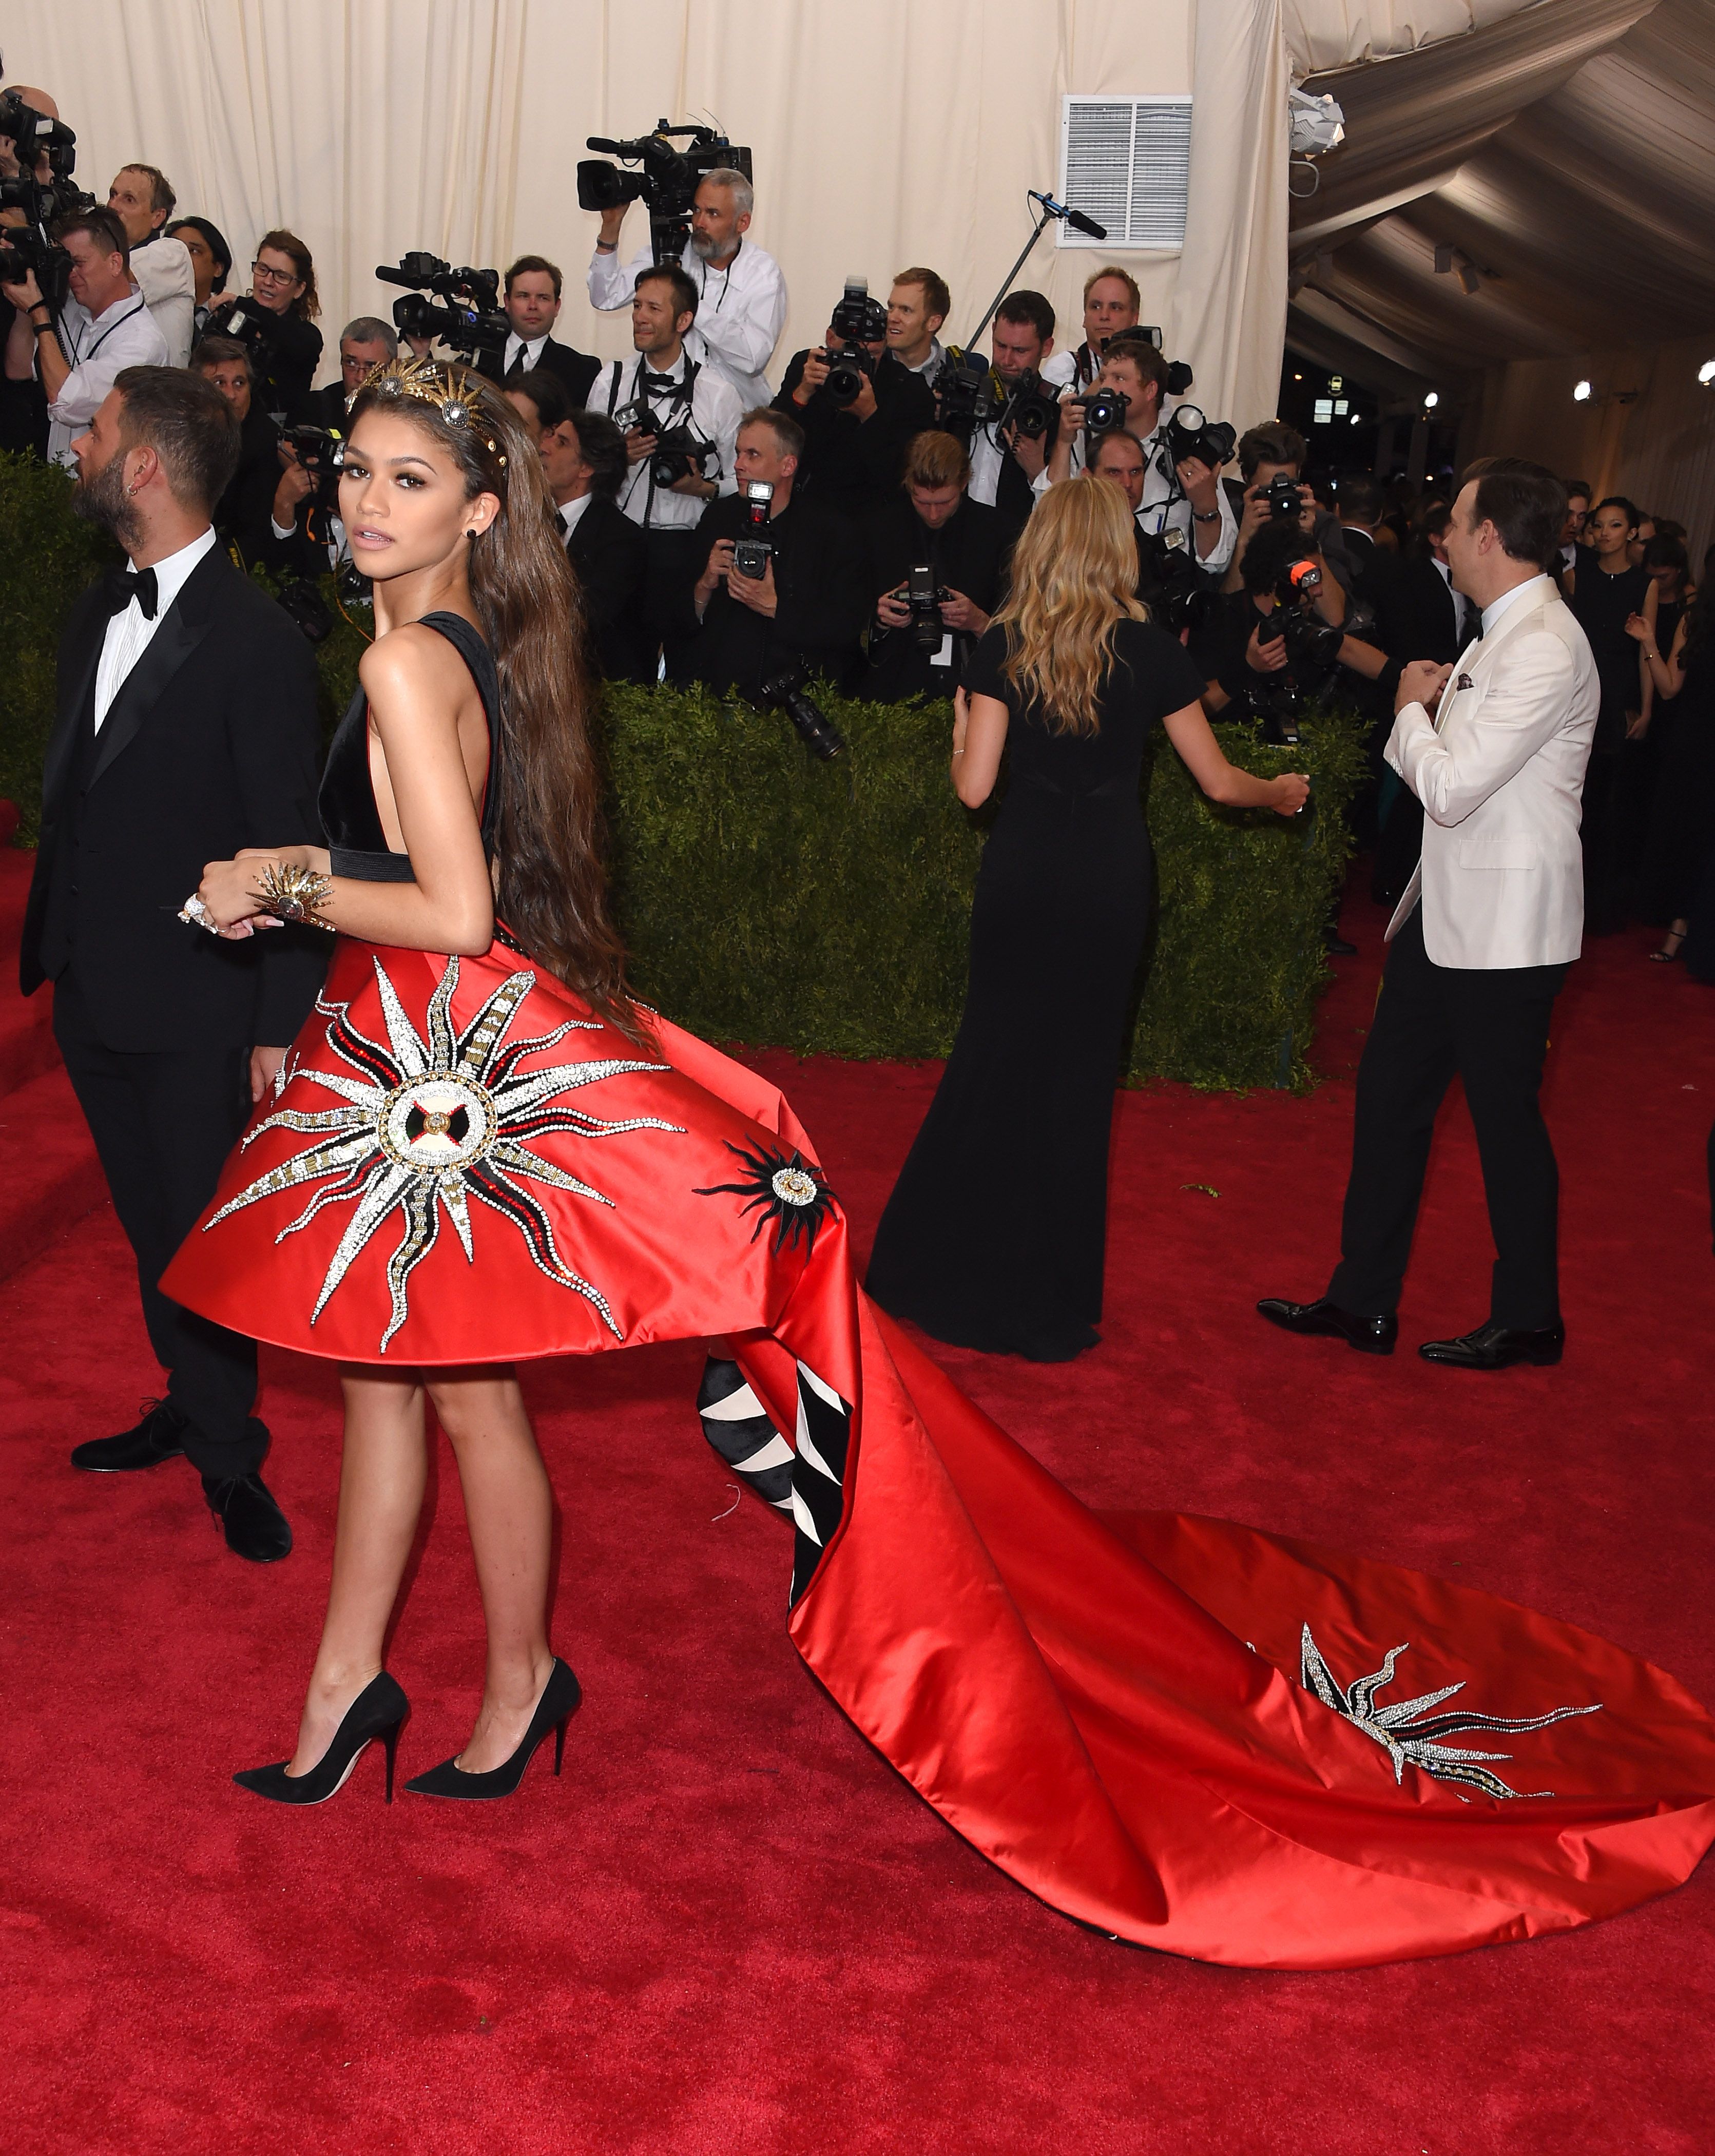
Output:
x=735 y=1424
x=818 y=1473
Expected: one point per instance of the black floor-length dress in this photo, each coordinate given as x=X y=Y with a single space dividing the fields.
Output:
x=1682 y=823
x=993 y=1236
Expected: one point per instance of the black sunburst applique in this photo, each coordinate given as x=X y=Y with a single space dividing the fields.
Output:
x=785 y=1189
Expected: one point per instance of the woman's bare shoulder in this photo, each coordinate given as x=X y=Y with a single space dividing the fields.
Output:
x=412 y=665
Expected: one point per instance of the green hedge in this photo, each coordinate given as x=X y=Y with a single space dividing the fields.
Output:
x=771 y=899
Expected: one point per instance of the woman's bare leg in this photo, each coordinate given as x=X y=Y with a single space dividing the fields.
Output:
x=509 y=1509
x=383 y=1471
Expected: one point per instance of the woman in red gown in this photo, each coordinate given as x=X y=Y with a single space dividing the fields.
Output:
x=1194 y=1735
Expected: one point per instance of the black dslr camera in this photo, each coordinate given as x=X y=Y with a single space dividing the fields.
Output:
x=1282 y=497
x=26 y=250
x=1173 y=585
x=1308 y=636
x=470 y=319
x=859 y=321
x=1104 y=410
x=678 y=449
x=923 y=596
x=247 y=322
x=1030 y=408
x=969 y=393
x=668 y=182
x=785 y=690
x=322 y=450
x=752 y=547
x=1188 y=434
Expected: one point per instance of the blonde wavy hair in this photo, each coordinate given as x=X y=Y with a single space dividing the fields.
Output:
x=1074 y=577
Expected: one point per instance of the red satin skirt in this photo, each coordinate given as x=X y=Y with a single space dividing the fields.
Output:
x=1191 y=1734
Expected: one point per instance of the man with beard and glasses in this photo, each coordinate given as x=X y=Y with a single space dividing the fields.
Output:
x=741 y=296
x=186 y=731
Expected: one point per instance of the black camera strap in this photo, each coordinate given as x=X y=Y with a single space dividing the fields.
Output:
x=79 y=358
x=684 y=394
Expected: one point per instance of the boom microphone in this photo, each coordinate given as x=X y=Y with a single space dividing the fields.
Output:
x=1075 y=218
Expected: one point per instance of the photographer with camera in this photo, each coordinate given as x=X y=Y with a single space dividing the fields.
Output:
x=366 y=343
x=142 y=199
x=1010 y=452
x=277 y=315
x=583 y=461
x=679 y=420
x=936 y=562
x=211 y=265
x=1182 y=452
x=1267 y=648
x=1113 y=305
x=777 y=582
x=104 y=327
x=243 y=515
x=857 y=404
x=741 y=295
x=1270 y=488
x=533 y=300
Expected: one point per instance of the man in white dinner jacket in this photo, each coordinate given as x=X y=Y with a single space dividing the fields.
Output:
x=1495 y=747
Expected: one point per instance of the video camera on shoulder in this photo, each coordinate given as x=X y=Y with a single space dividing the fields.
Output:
x=753 y=548
x=470 y=318
x=668 y=182
x=26 y=250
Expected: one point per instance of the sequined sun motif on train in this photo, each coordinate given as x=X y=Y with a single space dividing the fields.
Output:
x=430 y=1125
x=1408 y=1732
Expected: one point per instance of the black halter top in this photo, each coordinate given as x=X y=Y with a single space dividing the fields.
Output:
x=351 y=822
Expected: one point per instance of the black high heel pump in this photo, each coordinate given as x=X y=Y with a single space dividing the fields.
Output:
x=378 y=1711
x=561 y=1696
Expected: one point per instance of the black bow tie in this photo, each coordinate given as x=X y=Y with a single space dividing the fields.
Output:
x=662 y=385
x=125 y=585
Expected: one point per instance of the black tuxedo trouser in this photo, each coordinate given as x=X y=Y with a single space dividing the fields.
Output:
x=163 y=1124
x=1491 y=1029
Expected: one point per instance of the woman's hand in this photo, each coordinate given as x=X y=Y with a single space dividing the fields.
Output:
x=1636 y=626
x=229 y=889
x=1288 y=793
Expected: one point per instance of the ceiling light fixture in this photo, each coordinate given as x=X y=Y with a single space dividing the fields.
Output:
x=1705 y=374
x=1430 y=402
x=1581 y=392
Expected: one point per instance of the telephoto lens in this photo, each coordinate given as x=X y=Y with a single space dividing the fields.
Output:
x=786 y=691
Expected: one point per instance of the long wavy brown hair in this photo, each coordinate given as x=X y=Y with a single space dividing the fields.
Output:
x=552 y=884
x=1074 y=578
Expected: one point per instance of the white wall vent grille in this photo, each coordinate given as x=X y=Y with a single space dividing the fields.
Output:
x=1126 y=161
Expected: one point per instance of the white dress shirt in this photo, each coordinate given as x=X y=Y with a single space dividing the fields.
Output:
x=166 y=278
x=1163 y=508
x=1532 y=588
x=740 y=311
x=714 y=413
x=131 y=631
x=524 y=351
x=987 y=457
x=571 y=513
x=98 y=346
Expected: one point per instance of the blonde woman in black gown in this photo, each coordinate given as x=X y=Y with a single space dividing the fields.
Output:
x=993 y=1235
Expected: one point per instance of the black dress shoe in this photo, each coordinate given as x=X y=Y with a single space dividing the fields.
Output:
x=561 y=1696
x=377 y=1714
x=254 y=1525
x=1494 y=1347
x=1370 y=1336
x=157 y=1437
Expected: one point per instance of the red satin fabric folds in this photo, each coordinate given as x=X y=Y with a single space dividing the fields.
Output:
x=1108 y=1708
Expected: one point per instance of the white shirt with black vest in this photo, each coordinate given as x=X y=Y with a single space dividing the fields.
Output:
x=99 y=347
x=741 y=310
x=697 y=396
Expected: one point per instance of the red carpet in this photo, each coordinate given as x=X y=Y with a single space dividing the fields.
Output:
x=730 y=1926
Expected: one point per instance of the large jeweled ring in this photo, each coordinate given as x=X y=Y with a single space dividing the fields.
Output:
x=197 y=915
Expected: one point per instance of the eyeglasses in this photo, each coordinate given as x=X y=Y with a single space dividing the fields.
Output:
x=259 y=271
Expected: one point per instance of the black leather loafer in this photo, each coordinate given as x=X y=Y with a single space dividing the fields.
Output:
x=254 y=1525
x=1494 y=1347
x=157 y=1437
x=1369 y=1336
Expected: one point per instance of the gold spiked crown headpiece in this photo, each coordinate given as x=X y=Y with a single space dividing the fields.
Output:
x=455 y=392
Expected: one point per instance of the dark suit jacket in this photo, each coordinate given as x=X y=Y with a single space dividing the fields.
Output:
x=211 y=744
x=326 y=408
x=966 y=555
x=576 y=370
x=609 y=552
x=822 y=594
x=855 y=464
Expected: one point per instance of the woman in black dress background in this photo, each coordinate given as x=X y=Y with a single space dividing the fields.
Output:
x=1683 y=830
x=1606 y=590
x=993 y=1236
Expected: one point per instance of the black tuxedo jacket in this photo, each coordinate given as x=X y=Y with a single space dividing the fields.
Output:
x=608 y=552
x=211 y=744
x=576 y=370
